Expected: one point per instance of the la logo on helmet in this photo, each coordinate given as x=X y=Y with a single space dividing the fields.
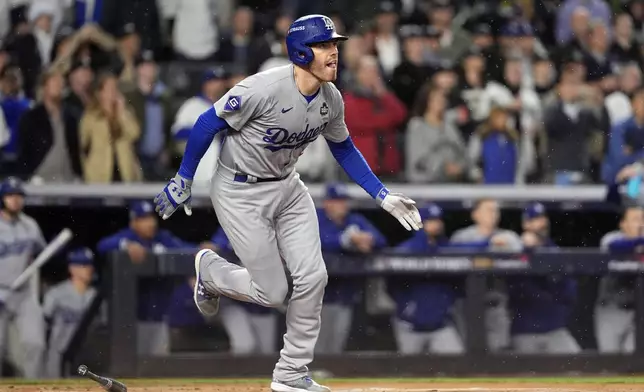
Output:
x=328 y=23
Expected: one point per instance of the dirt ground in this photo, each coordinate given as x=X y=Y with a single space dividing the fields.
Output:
x=353 y=387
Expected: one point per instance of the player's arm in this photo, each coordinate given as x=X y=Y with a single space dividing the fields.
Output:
x=365 y=225
x=112 y=243
x=232 y=111
x=615 y=243
x=171 y=241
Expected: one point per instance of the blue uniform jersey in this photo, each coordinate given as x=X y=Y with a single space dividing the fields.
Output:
x=182 y=311
x=423 y=302
x=154 y=295
x=338 y=290
x=540 y=304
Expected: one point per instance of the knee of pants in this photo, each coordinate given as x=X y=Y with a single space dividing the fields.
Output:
x=274 y=296
x=315 y=281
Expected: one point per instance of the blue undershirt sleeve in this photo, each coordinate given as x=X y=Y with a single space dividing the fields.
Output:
x=357 y=168
x=207 y=126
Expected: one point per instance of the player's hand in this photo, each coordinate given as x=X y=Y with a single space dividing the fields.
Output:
x=363 y=241
x=402 y=208
x=208 y=245
x=176 y=193
x=136 y=252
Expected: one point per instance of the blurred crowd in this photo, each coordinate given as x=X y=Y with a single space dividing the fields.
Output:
x=436 y=91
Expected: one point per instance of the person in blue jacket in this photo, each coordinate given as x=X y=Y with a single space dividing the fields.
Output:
x=342 y=231
x=251 y=328
x=540 y=306
x=138 y=240
x=423 y=320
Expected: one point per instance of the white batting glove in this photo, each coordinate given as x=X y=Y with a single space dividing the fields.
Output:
x=402 y=208
x=176 y=193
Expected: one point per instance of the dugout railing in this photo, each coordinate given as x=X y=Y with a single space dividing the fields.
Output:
x=122 y=300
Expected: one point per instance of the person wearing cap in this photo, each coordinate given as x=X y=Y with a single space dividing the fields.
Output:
x=213 y=86
x=485 y=235
x=541 y=306
x=412 y=72
x=423 y=319
x=342 y=231
x=615 y=307
x=65 y=305
x=151 y=101
x=139 y=240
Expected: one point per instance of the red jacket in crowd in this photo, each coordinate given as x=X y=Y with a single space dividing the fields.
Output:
x=374 y=123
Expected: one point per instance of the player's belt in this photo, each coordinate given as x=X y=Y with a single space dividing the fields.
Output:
x=239 y=177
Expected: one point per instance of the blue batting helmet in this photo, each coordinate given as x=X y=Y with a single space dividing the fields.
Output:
x=306 y=31
x=11 y=186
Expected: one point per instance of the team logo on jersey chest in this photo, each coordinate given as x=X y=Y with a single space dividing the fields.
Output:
x=324 y=109
x=281 y=139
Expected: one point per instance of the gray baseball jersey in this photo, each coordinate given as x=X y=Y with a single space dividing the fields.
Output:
x=20 y=241
x=272 y=123
x=65 y=306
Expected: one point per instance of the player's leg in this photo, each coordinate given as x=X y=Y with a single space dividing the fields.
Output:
x=236 y=322
x=299 y=242
x=497 y=322
x=245 y=212
x=325 y=337
x=408 y=341
x=562 y=342
x=31 y=326
x=342 y=328
x=264 y=326
x=446 y=341
x=628 y=341
x=527 y=343
x=610 y=325
x=5 y=316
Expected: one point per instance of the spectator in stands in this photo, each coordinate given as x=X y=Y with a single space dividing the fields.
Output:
x=277 y=35
x=144 y=14
x=213 y=86
x=108 y=133
x=597 y=58
x=352 y=51
x=486 y=235
x=517 y=44
x=615 y=308
x=33 y=50
x=374 y=115
x=624 y=48
x=387 y=43
x=13 y=104
x=279 y=59
x=130 y=46
x=635 y=9
x=412 y=72
x=572 y=13
x=541 y=306
x=79 y=79
x=423 y=320
x=454 y=42
x=195 y=35
x=151 y=102
x=64 y=306
x=497 y=152
x=473 y=80
x=618 y=103
x=569 y=127
x=48 y=135
x=251 y=328
x=626 y=148
x=240 y=47
x=544 y=76
x=342 y=231
x=139 y=240
x=434 y=149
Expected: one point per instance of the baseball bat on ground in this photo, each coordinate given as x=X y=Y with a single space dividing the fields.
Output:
x=50 y=250
x=108 y=384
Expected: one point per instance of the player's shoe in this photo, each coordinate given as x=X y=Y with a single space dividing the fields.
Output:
x=207 y=302
x=304 y=384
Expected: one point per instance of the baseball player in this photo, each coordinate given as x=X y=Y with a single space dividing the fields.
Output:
x=540 y=306
x=269 y=119
x=349 y=232
x=20 y=240
x=251 y=328
x=486 y=235
x=615 y=308
x=64 y=306
x=142 y=237
x=423 y=320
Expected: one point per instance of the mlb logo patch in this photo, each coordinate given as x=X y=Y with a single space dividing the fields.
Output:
x=234 y=103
